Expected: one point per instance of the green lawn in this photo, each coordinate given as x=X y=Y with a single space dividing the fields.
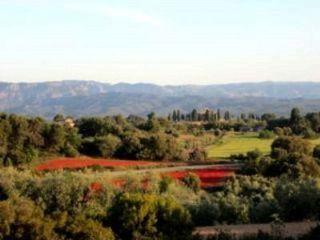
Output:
x=238 y=143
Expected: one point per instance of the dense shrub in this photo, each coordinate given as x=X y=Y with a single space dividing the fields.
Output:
x=22 y=219
x=198 y=154
x=161 y=147
x=137 y=216
x=266 y=134
x=316 y=152
x=293 y=165
x=298 y=199
x=283 y=146
x=81 y=228
x=192 y=181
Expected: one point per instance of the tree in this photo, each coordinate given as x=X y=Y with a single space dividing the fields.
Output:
x=295 y=116
x=35 y=132
x=194 y=115
x=173 y=220
x=283 y=146
x=192 y=181
x=178 y=115
x=55 y=136
x=198 y=154
x=294 y=165
x=314 y=121
x=105 y=146
x=268 y=117
x=133 y=216
x=298 y=199
x=207 y=115
x=297 y=123
x=81 y=228
x=90 y=127
x=130 y=146
x=22 y=219
x=147 y=216
x=174 y=116
x=227 y=116
x=266 y=134
x=160 y=147
x=58 y=118
x=152 y=123
x=218 y=115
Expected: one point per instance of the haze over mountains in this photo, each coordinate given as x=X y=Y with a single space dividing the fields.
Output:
x=83 y=98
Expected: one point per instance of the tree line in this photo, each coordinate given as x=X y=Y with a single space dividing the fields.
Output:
x=208 y=115
x=24 y=139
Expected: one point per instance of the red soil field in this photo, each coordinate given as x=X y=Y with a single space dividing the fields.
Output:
x=210 y=177
x=76 y=163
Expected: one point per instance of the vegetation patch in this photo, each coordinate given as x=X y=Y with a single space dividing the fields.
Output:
x=238 y=143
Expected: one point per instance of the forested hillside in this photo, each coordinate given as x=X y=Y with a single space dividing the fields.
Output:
x=83 y=98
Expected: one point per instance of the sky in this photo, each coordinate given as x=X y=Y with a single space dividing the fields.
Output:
x=162 y=42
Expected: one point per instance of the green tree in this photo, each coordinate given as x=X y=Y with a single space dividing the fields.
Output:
x=178 y=115
x=192 y=181
x=58 y=118
x=283 y=146
x=107 y=145
x=22 y=219
x=133 y=216
x=81 y=228
x=55 y=137
x=218 y=114
x=147 y=216
x=161 y=147
x=152 y=123
x=227 y=116
x=194 y=115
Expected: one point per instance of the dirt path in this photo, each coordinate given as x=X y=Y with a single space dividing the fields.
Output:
x=174 y=169
x=293 y=229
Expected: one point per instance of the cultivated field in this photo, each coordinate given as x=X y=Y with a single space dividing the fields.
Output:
x=84 y=162
x=235 y=143
x=210 y=175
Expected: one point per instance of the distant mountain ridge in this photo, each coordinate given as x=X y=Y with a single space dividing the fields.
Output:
x=82 y=98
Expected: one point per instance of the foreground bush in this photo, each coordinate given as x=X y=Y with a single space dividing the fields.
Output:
x=146 y=216
x=22 y=219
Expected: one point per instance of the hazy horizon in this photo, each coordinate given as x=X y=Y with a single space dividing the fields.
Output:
x=158 y=84
x=161 y=42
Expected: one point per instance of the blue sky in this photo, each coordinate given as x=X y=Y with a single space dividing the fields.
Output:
x=163 y=41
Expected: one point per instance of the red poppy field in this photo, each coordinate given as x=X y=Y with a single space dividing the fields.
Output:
x=83 y=162
x=210 y=177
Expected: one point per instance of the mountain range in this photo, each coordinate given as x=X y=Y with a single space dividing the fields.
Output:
x=84 y=98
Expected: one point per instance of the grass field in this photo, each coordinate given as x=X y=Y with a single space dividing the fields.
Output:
x=238 y=143
x=242 y=143
x=315 y=142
